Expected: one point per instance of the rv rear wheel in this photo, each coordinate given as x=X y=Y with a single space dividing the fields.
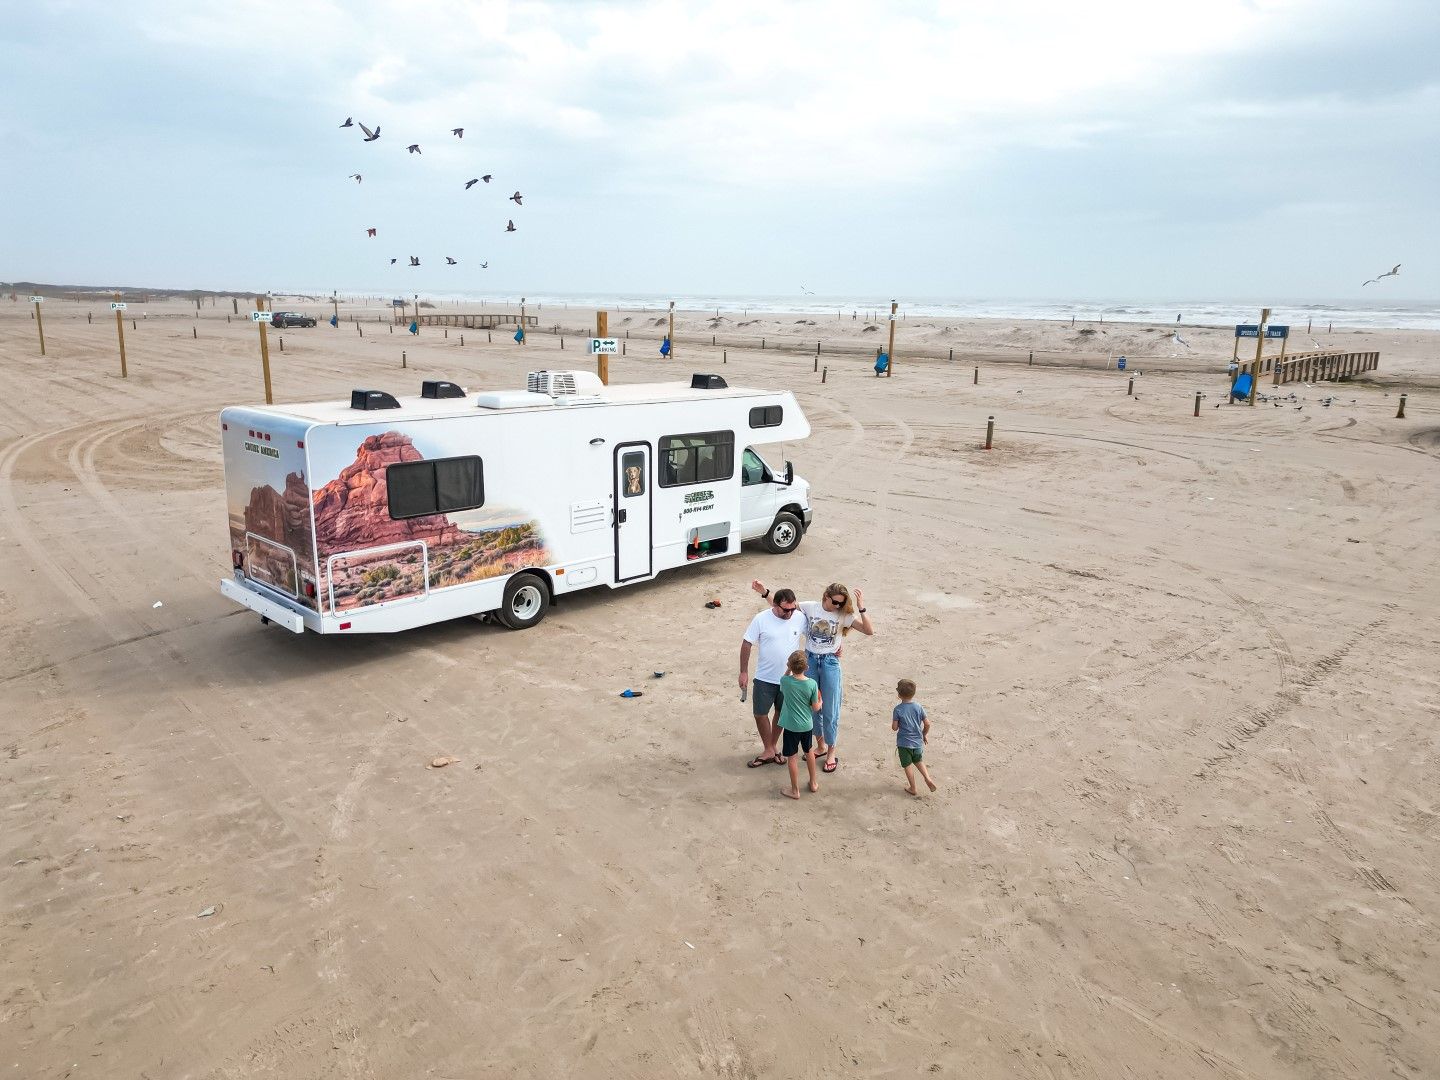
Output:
x=526 y=598
x=784 y=535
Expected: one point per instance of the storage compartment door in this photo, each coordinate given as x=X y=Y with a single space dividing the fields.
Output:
x=633 y=544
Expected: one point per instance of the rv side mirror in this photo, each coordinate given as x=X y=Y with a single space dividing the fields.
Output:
x=789 y=474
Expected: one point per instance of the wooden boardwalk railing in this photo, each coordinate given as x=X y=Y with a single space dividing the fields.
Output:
x=1318 y=366
x=471 y=321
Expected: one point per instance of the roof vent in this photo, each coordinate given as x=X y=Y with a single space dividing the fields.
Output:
x=372 y=399
x=438 y=388
x=707 y=382
x=556 y=383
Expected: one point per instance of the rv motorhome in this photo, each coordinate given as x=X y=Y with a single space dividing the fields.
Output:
x=386 y=513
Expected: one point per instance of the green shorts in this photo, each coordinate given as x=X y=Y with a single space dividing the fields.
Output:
x=910 y=755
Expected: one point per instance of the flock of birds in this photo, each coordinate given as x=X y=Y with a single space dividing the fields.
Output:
x=370 y=136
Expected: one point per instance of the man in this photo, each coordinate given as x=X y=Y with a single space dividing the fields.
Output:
x=776 y=632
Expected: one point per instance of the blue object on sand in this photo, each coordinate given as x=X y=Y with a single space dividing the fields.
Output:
x=882 y=362
x=632 y=693
x=1241 y=389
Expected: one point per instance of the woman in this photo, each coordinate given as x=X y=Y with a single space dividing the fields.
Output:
x=827 y=622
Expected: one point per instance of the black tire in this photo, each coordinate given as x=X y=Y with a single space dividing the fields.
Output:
x=785 y=534
x=278 y=324
x=527 y=598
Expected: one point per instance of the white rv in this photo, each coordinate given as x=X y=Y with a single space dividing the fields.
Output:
x=386 y=513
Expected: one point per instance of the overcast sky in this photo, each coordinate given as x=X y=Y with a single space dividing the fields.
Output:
x=1120 y=148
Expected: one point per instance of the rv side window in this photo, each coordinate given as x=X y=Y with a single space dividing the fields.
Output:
x=418 y=488
x=766 y=416
x=697 y=459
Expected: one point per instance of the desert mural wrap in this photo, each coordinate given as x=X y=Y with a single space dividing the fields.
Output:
x=352 y=514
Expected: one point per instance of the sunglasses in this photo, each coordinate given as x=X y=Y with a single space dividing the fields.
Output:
x=790 y=609
x=837 y=600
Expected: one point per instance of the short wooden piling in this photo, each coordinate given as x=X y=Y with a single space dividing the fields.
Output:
x=87 y=318
x=977 y=376
x=1400 y=413
x=817 y=363
x=1197 y=402
x=1130 y=390
x=989 y=433
x=825 y=374
x=194 y=334
x=404 y=359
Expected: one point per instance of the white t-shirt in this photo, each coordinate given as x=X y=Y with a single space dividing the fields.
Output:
x=822 y=628
x=776 y=639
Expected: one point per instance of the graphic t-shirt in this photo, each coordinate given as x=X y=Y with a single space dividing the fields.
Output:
x=822 y=628
x=776 y=638
x=912 y=725
x=799 y=694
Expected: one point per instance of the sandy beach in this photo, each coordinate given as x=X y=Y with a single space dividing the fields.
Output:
x=1182 y=672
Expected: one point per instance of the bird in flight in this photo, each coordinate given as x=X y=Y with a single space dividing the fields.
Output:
x=459 y=133
x=810 y=292
x=471 y=183
x=510 y=226
x=414 y=148
x=1180 y=340
x=414 y=261
x=1392 y=272
x=355 y=176
x=349 y=122
x=394 y=261
x=485 y=266
x=449 y=261
x=369 y=232
x=370 y=136
x=516 y=199
x=486 y=177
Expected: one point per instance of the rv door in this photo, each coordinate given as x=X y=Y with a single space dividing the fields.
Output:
x=633 y=548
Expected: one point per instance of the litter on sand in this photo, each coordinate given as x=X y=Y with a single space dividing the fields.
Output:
x=658 y=675
x=712 y=603
x=627 y=692
x=206 y=913
x=441 y=762
x=158 y=603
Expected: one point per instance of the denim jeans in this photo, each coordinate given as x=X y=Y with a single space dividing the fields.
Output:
x=825 y=670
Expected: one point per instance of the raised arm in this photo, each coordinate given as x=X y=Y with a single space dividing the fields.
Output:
x=760 y=588
x=862 y=621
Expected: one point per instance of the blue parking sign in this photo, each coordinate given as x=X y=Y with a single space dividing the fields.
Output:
x=1120 y=363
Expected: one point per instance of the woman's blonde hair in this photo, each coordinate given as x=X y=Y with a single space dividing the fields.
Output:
x=848 y=607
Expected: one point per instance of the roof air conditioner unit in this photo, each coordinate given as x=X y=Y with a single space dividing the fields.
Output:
x=556 y=383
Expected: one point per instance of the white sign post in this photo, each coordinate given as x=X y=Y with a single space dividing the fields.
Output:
x=604 y=346
x=262 y=316
x=117 y=305
x=37 y=299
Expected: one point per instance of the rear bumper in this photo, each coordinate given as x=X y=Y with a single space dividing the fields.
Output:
x=273 y=610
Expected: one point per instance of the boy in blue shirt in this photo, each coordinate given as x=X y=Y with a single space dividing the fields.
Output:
x=800 y=701
x=912 y=728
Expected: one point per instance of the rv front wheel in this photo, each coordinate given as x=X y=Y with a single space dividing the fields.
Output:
x=784 y=535
x=526 y=598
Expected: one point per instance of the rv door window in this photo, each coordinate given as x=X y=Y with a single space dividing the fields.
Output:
x=752 y=469
x=701 y=458
x=443 y=486
x=766 y=416
x=633 y=467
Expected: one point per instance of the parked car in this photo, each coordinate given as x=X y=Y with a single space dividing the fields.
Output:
x=292 y=318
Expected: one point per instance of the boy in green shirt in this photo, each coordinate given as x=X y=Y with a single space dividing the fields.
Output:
x=801 y=701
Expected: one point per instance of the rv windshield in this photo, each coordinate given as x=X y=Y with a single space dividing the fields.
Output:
x=753 y=469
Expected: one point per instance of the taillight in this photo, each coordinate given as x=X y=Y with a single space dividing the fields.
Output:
x=237 y=559
x=310 y=589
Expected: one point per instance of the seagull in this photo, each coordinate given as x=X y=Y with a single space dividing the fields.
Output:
x=810 y=292
x=449 y=261
x=394 y=261
x=486 y=177
x=414 y=261
x=485 y=266
x=1392 y=272
x=516 y=199
x=369 y=232
x=414 y=148
x=471 y=183
x=1180 y=340
x=459 y=133
x=349 y=122
x=370 y=136
x=355 y=176
x=510 y=226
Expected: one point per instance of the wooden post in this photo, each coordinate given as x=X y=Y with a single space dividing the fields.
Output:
x=672 y=331
x=264 y=352
x=234 y=306
x=890 y=346
x=1400 y=415
x=1197 y=402
x=194 y=334
x=40 y=326
x=977 y=376
x=1130 y=390
x=335 y=304
x=602 y=361
x=522 y=320
x=989 y=433
x=1259 y=352
x=404 y=359
x=1283 y=342
x=825 y=374
x=120 y=329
